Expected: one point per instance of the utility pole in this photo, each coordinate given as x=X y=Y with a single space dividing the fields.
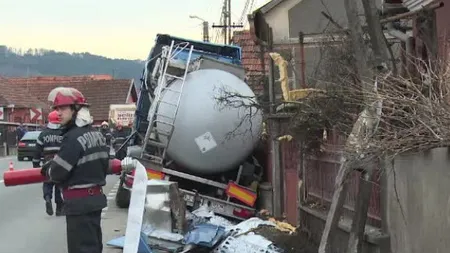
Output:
x=226 y=25
x=224 y=20
x=205 y=31
x=205 y=27
x=229 y=21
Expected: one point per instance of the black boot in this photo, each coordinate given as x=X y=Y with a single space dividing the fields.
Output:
x=59 y=209
x=48 y=206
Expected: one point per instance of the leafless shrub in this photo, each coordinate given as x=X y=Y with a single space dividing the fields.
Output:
x=415 y=109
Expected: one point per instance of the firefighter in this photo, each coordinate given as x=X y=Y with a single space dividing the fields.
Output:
x=106 y=132
x=120 y=132
x=48 y=144
x=80 y=167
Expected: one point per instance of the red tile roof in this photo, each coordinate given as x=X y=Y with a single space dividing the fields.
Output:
x=18 y=96
x=251 y=59
x=57 y=79
x=99 y=93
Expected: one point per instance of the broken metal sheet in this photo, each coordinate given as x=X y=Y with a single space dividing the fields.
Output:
x=120 y=242
x=157 y=209
x=161 y=234
x=414 y=5
x=204 y=215
x=248 y=225
x=250 y=243
x=206 y=235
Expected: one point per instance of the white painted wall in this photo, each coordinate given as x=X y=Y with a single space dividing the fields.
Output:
x=278 y=19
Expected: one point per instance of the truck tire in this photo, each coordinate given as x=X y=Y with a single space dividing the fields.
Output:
x=123 y=197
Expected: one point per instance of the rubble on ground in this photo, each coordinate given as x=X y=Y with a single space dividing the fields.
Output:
x=257 y=234
x=207 y=232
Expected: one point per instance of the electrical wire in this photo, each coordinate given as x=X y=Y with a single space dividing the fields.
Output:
x=244 y=11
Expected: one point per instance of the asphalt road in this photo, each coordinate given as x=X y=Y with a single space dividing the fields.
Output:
x=24 y=225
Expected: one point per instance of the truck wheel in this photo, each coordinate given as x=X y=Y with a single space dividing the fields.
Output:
x=123 y=197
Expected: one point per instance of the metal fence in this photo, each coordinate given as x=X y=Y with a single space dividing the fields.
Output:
x=319 y=174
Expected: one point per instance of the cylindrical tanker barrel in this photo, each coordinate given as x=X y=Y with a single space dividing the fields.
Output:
x=33 y=176
x=217 y=125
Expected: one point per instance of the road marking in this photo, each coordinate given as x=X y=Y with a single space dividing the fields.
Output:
x=8 y=158
x=1 y=181
x=110 y=196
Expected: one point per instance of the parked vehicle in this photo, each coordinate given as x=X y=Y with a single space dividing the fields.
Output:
x=181 y=133
x=27 y=145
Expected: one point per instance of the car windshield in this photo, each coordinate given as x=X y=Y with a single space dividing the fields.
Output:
x=32 y=135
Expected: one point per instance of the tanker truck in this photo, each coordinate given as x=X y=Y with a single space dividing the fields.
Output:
x=185 y=132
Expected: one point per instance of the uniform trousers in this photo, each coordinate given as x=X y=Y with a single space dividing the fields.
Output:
x=84 y=233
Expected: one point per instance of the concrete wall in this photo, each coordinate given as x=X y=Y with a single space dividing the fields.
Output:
x=423 y=186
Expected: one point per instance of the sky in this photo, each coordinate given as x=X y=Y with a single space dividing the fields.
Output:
x=112 y=28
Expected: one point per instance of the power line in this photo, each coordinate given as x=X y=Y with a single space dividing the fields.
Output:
x=244 y=11
x=226 y=24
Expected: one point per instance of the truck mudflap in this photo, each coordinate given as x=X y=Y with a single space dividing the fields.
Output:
x=218 y=206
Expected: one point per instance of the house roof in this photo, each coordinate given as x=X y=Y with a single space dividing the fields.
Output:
x=99 y=93
x=65 y=79
x=19 y=97
x=251 y=59
x=269 y=6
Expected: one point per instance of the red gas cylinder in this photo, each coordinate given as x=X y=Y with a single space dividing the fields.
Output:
x=25 y=176
x=33 y=176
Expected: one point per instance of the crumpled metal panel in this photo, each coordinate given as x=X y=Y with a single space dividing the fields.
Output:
x=249 y=243
x=414 y=5
x=157 y=205
x=241 y=240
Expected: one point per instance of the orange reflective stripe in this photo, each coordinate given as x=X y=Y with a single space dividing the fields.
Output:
x=151 y=174
x=236 y=191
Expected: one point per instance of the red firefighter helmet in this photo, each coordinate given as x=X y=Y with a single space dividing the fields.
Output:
x=63 y=96
x=53 y=118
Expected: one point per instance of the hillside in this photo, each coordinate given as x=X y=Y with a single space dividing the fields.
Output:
x=42 y=62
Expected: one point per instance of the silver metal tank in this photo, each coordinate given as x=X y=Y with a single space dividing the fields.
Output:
x=210 y=137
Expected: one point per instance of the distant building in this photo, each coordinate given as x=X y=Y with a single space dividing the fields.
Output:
x=100 y=91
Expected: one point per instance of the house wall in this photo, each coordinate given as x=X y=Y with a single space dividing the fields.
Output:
x=306 y=16
x=443 y=29
x=277 y=17
x=422 y=184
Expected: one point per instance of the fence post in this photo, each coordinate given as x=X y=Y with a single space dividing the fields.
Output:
x=5 y=148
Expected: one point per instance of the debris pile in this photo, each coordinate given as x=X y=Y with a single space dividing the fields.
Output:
x=258 y=234
x=207 y=232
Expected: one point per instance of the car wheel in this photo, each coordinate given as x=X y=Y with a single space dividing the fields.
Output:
x=20 y=158
x=123 y=197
